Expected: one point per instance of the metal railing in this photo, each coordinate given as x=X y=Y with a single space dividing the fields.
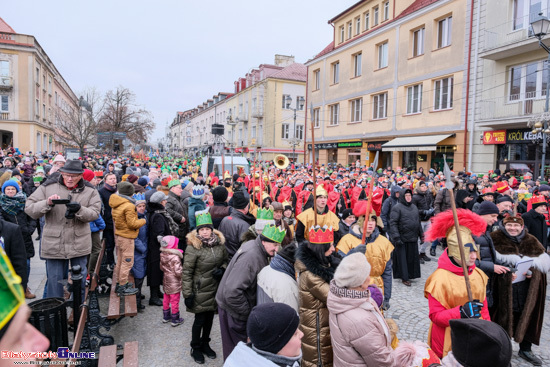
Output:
x=504 y=34
x=516 y=105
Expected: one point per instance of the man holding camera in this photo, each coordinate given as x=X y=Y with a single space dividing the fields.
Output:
x=68 y=203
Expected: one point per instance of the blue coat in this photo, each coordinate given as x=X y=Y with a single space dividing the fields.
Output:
x=195 y=205
x=140 y=251
x=97 y=225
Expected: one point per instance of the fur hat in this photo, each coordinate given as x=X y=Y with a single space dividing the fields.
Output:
x=352 y=271
x=513 y=219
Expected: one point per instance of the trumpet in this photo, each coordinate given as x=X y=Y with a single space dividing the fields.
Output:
x=281 y=161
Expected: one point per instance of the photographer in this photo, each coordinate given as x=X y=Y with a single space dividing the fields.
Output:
x=66 y=236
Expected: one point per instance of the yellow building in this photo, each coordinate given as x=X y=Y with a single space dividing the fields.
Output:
x=31 y=89
x=393 y=80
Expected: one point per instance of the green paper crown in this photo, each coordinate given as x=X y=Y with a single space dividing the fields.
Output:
x=37 y=179
x=274 y=233
x=12 y=295
x=265 y=214
x=203 y=217
x=173 y=183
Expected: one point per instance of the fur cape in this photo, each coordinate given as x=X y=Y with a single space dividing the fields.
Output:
x=529 y=326
x=194 y=241
x=313 y=265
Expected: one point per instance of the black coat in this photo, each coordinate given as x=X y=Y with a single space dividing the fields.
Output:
x=233 y=227
x=27 y=226
x=487 y=261
x=219 y=211
x=424 y=202
x=536 y=226
x=158 y=225
x=105 y=195
x=11 y=234
x=387 y=206
x=405 y=222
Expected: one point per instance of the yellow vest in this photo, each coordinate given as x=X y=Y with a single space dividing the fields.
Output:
x=308 y=220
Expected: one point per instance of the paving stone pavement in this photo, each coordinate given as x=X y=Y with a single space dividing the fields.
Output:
x=163 y=345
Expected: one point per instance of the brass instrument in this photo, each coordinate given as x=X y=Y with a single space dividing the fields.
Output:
x=281 y=161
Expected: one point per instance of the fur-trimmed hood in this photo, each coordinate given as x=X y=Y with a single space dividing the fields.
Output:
x=306 y=261
x=510 y=253
x=172 y=251
x=194 y=241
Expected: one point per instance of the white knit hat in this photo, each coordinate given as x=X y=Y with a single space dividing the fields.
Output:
x=352 y=271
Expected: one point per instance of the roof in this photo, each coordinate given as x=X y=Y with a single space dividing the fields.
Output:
x=347 y=10
x=294 y=71
x=326 y=50
x=5 y=27
x=417 y=5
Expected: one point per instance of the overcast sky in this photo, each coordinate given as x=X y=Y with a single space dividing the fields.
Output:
x=173 y=54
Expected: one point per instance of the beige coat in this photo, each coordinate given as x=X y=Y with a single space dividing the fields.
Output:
x=64 y=238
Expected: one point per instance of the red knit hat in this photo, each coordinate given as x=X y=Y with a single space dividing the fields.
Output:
x=502 y=186
x=88 y=175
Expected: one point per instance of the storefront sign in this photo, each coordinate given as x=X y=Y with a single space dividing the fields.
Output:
x=521 y=136
x=324 y=146
x=421 y=157
x=374 y=146
x=350 y=144
x=494 y=137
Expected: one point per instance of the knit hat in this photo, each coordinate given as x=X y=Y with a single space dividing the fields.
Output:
x=168 y=241
x=544 y=187
x=156 y=183
x=219 y=194
x=132 y=178
x=125 y=188
x=59 y=158
x=143 y=181
x=241 y=199
x=288 y=253
x=15 y=172
x=476 y=341
x=270 y=326
x=346 y=213
x=503 y=198
x=11 y=183
x=352 y=271
x=158 y=197
x=513 y=219
x=487 y=207
x=88 y=175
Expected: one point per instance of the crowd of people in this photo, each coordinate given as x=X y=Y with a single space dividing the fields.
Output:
x=298 y=262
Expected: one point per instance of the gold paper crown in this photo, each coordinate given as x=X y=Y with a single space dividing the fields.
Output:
x=321 y=191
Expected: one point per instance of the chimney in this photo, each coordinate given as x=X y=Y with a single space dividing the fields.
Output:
x=283 y=60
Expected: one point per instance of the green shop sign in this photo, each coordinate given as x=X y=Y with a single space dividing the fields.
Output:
x=351 y=144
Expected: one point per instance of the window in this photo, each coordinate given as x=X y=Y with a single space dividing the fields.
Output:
x=380 y=106
x=300 y=101
x=285 y=131
x=335 y=72
x=317 y=79
x=357 y=65
x=528 y=81
x=253 y=132
x=443 y=94
x=414 y=99
x=418 y=42
x=357 y=25
x=383 y=55
x=444 y=31
x=386 y=10
x=4 y=107
x=37 y=79
x=334 y=111
x=43 y=111
x=349 y=29
x=286 y=105
x=316 y=113
x=37 y=107
x=50 y=85
x=4 y=68
x=342 y=34
x=375 y=17
x=526 y=11
x=367 y=21
x=300 y=132
x=356 y=110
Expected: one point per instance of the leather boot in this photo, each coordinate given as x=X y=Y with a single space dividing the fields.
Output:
x=28 y=294
x=154 y=300
x=205 y=348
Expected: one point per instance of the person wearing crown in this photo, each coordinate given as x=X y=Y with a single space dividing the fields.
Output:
x=196 y=203
x=445 y=288
x=325 y=217
x=315 y=265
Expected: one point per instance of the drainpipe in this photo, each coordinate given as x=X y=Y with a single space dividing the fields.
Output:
x=468 y=82
x=474 y=102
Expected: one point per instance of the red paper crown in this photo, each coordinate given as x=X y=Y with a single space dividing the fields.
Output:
x=98 y=173
x=432 y=360
x=318 y=235
x=502 y=186
x=538 y=199
x=166 y=181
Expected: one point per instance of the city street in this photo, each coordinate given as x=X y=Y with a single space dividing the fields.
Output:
x=162 y=345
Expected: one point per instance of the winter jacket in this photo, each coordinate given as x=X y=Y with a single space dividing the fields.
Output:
x=171 y=266
x=195 y=205
x=27 y=226
x=313 y=285
x=237 y=290
x=10 y=241
x=405 y=222
x=343 y=229
x=64 y=238
x=424 y=203
x=199 y=264
x=105 y=194
x=387 y=206
x=97 y=225
x=442 y=201
x=233 y=227
x=127 y=223
x=219 y=211
x=487 y=260
x=536 y=226
x=140 y=251
x=244 y=356
x=360 y=335
x=277 y=283
x=175 y=209
x=157 y=226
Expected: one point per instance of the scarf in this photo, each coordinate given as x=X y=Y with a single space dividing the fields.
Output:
x=209 y=241
x=278 y=359
x=284 y=266
x=13 y=205
x=131 y=199
x=109 y=187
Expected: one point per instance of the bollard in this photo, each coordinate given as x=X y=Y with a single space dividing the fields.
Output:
x=76 y=276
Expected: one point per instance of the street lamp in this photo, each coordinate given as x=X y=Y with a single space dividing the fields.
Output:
x=301 y=102
x=232 y=123
x=540 y=28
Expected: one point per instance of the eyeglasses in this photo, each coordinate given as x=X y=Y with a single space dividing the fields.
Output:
x=71 y=177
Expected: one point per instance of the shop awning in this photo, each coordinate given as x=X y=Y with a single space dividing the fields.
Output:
x=411 y=143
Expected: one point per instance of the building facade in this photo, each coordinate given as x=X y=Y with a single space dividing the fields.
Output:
x=393 y=80
x=31 y=88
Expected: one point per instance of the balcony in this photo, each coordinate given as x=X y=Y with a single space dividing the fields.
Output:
x=4 y=116
x=258 y=112
x=510 y=107
x=6 y=83
x=243 y=117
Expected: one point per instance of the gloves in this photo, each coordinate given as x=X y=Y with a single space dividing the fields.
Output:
x=471 y=310
x=386 y=305
x=217 y=274
x=189 y=301
x=72 y=208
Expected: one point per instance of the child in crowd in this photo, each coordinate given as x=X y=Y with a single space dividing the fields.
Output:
x=171 y=265
x=139 y=270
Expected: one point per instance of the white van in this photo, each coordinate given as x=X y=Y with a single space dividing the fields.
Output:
x=215 y=165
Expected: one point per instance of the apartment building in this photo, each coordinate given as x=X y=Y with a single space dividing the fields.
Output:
x=31 y=89
x=393 y=80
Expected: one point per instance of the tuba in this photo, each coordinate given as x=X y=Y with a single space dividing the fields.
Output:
x=281 y=161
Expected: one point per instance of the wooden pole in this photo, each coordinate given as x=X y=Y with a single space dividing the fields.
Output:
x=314 y=176
x=369 y=209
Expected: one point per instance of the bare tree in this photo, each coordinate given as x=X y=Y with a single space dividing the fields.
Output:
x=122 y=114
x=79 y=127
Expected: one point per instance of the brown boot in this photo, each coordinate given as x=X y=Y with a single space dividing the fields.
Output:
x=28 y=294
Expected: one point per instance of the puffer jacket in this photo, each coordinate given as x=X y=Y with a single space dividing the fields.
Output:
x=140 y=251
x=360 y=335
x=313 y=285
x=64 y=238
x=127 y=223
x=405 y=222
x=27 y=226
x=487 y=260
x=174 y=207
x=442 y=201
x=387 y=206
x=200 y=261
x=424 y=202
x=97 y=225
x=233 y=227
x=237 y=290
x=171 y=266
